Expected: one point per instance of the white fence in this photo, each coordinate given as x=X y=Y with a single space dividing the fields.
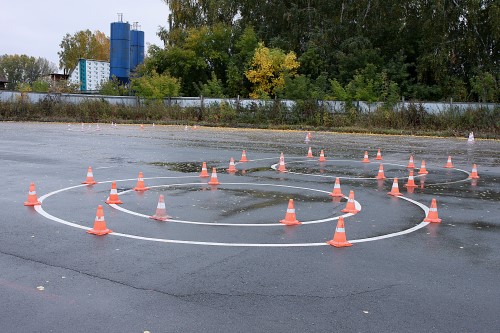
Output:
x=332 y=106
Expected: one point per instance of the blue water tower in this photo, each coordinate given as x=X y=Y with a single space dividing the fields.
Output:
x=136 y=47
x=120 y=50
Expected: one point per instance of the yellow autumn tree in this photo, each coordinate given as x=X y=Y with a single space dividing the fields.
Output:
x=269 y=69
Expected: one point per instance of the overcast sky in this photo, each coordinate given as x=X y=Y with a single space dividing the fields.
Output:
x=37 y=27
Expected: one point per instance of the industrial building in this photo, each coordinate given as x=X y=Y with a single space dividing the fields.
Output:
x=126 y=53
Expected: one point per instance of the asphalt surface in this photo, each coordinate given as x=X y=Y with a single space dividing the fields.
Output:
x=440 y=278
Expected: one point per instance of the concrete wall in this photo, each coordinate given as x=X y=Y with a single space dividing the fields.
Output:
x=332 y=106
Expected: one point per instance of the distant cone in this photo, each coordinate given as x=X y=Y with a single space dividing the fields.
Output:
x=139 y=187
x=351 y=205
x=473 y=174
x=471 y=138
x=336 y=192
x=411 y=165
x=365 y=158
x=322 y=156
x=379 y=156
x=204 y=171
x=411 y=181
x=310 y=153
x=32 y=198
x=306 y=139
x=449 y=165
x=339 y=237
x=231 y=168
x=309 y=135
x=422 y=170
x=213 y=179
x=381 y=174
x=243 y=158
x=432 y=216
x=281 y=167
x=290 y=217
x=161 y=212
x=142 y=126
x=113 y=199
x=90 y=177
x=99 y=228
x=395 y=188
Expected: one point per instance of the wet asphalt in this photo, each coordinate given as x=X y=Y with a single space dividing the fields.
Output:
x=441 y=278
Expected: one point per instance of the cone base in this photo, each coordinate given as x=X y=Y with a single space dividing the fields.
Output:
x=243 y=160
x=89 y=183
x=437 y=220
x=473 y=177
x=410 y=185
x=213 y=183
x=339 y=244
x=449 y=166
x=231 y=170
x=99 y=232
x=204 y=176
x=140 y=189
x=410 y=166
x=113 y=202
x=336 y=195
x=423 y=172
x=36 y=203
x=296 y=222
x=365 y=161
x=160 y=218
x=352 y=211
x=379 y=158
x=381 y=177
x=395 y=194
x=310 y=156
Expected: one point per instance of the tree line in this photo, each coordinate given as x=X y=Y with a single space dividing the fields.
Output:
x=368 y=49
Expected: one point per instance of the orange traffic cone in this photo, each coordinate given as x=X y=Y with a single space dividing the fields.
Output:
x=381 y=174
x=351 y=205
x=243 y=156
x=395 y=188
x=322 y=156
x=309 y=136
x=432 y=216
x=142 y=126
x=99 y=228
x=309 y=153
x=281 y=167
x=213 y=179
x=231 y=168
x=290 y=218
x=339 y=237
x=113 y=196
x=411 y=181
x=336 y=192
x=161 y=212
x=32 y=198
x=411 y=165
x=204 y=171
x=365 y=159
x=90 y=177
x=379 y=156
x=448 y=163
x=474 y=174
x=139 y=187
x=422 y=170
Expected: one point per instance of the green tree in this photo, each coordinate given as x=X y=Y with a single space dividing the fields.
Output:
x=24 y=69
x=155 y=86
x=40 y=86
x=82 y=45
x=486 y=87
x=113 y=87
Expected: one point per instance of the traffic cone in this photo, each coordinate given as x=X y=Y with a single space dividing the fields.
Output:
x=339 y=237
x=379 y=155
x=139 y=187
x=90 y=177
x=113 y=196
x=204 y=171
x=32 y=198
x=411 y=181
x=422 y=170
x=231 y=168
x=471 y=138
x=290 y=218
x=309 y=135
x=474 y=174
x=336 y=192
x=395 y=188
x=99 y=228
x=213 y=179
x=365 y=159
x=432 y=216
x=322 y=156
x=449 y=165
x=243 y=156
x=142 y=126
x=410 y=165
x=306 y=140
x=381 y=174
x=281 y=167
x=309 y=153
x=161 y=212
x=350 y=206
